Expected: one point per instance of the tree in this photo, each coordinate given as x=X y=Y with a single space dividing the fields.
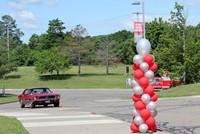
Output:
x=155 y=30
x=9 y=33
x=105 y=55
x=21 y=54
x=33 y=41
x=55 y=32
x=179 y=18
x=6 y=66
x=192 y=54
x=51 y=60
x=78 y=34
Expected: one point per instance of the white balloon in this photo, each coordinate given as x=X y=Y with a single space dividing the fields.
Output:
x=137 y=59
x=135 y=113
x=144 y=66
x=138 y=120
x=153 y=112
x=145 y=98
x=137 y=90
x=151 y=105
x=143 y=128
x=134 y=83
x=143 y=47
x=149 y=74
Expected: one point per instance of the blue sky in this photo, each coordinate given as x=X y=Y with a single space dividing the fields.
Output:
x=97 y=16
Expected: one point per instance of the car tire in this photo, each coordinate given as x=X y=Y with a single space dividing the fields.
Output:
x=21 y=104
x=56 y=104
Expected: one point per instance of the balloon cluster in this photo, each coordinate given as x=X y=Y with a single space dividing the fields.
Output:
x=144 y=96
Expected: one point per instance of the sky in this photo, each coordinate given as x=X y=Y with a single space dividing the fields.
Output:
x=99 y=17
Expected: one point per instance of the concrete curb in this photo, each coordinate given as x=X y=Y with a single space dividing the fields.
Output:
x=1 y=103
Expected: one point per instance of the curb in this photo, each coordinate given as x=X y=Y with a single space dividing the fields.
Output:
x=1 y=103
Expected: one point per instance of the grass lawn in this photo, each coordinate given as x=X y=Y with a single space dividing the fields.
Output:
x=8 y=98
x=180 y=91
x=91 y=77
x=10 y=125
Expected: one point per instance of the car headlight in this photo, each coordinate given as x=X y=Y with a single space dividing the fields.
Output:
x=58 y=96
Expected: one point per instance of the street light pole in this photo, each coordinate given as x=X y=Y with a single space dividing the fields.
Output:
x=143 y=15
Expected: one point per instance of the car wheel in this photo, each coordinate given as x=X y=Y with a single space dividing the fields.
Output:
x=32 y=105
x=45 y=105
x=21 y=104
x=56 y=104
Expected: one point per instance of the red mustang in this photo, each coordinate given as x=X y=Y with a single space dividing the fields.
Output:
x=38 y=96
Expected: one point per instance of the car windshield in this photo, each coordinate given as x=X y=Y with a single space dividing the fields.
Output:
x=40 y=91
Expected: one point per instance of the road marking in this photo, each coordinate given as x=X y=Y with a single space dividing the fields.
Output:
x=18 y=114
x=34 y=120
x=69 y=123
x=60 y=117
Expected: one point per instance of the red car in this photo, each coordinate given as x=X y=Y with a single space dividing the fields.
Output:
x=38 y=96
x=162 y=82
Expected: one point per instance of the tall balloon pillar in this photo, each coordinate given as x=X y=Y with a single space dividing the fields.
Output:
x=144 y=97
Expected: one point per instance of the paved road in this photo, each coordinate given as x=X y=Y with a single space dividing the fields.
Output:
x=108 y=111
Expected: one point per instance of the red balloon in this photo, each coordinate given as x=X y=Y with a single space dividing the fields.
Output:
x=145 y=114
x=153 y=128
x=139 y=105
x=154 y=97
x=144 y=82
x=135 y=66
x=138 y=74
x=148 y=58
x=149 y=90
x=154 y=67
x=134 y=128
x=150 y=121
x=136 y=97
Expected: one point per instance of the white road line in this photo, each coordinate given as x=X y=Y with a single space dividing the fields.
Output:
x=60 y=117
x=69 y=123
x=18 y=114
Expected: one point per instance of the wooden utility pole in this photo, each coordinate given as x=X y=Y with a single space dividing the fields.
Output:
x=8 y=43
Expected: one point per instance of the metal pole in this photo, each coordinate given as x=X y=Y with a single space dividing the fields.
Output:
x=143 y=18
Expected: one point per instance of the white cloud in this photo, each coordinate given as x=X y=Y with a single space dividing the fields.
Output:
x=30 y=26
x=53 y=2
x=28 y=19
x=27 y=16
x=22 y=4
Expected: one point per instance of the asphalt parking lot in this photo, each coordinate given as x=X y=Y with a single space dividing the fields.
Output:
x=106 y=111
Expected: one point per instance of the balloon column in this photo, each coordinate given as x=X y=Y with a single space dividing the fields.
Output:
x=144 y=96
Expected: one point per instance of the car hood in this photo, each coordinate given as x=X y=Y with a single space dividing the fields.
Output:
x=46 y=94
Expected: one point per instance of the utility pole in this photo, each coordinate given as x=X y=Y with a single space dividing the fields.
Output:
x=107 y=57
x=137 y=13
x=8 y=43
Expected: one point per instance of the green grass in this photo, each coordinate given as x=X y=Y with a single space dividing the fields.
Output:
x=7 y=98
x=91 y=77
x=180 y=91
x=10 y=125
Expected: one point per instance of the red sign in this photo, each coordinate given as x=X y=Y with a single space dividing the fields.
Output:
x=138 y=28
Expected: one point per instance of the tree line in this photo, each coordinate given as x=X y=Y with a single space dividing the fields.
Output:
x=175 y=46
